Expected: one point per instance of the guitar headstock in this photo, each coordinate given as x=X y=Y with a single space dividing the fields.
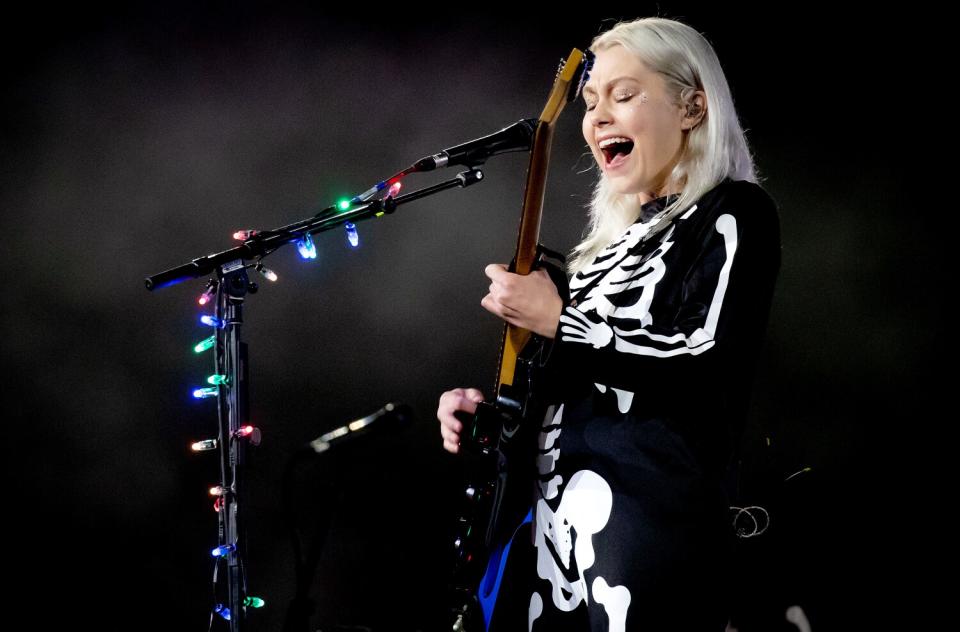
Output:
x=582 y=72
x=572 y=74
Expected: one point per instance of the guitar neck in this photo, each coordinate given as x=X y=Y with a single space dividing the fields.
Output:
x=570 y=78
x=515 y=338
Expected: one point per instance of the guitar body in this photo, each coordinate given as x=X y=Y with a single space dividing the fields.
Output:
x=502 y=435
x=501 y=438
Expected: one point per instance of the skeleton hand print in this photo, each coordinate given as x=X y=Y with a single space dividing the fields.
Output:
x=576 y=327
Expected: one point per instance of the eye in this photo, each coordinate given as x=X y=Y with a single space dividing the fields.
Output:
x=619 y=98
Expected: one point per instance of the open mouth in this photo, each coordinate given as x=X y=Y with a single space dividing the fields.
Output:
x=612 y=151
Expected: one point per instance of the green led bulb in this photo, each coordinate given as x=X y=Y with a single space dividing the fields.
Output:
x=253 y=602
x=217 y=379
x=206 y=344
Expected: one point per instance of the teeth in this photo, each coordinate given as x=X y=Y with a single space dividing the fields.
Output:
x=606 y=142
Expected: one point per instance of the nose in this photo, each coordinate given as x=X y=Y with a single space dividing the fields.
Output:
x=599 y=115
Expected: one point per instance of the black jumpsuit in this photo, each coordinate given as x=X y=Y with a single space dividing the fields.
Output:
x=652 y=369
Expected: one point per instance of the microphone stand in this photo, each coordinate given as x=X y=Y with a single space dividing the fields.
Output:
x=232 y=406
x=262 y=244
x=231 y=363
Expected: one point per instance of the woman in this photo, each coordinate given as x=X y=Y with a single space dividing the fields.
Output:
x=653 y=354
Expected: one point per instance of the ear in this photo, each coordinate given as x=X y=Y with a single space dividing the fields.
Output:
x=696 y=109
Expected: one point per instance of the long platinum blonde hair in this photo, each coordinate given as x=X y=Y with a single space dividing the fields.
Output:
x=714 y=149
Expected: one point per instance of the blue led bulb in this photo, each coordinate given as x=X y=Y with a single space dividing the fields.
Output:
x=306 y=247
x=352 y=236
x=211 y=321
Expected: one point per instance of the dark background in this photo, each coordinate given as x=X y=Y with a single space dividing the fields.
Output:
x=136 y=138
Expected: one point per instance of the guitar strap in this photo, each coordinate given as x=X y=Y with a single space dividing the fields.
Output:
x=553 y=262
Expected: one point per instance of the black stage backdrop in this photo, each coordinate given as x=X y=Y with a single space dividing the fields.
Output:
x=136 y=138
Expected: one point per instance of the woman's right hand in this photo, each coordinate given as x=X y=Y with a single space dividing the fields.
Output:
x=459 y=399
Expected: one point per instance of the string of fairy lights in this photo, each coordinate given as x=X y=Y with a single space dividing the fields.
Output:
x=218 y=381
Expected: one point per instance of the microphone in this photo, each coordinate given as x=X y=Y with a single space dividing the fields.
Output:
x=392 y=416
x=516 y=137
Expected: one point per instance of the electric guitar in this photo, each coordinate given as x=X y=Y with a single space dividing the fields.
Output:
x=502 y=434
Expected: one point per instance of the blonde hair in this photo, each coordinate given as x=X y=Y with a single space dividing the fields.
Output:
x=714 y=149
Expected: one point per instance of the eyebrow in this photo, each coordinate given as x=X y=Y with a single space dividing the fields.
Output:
x=592 y=90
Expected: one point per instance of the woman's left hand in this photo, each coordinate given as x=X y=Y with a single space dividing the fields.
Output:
x=528 y=301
